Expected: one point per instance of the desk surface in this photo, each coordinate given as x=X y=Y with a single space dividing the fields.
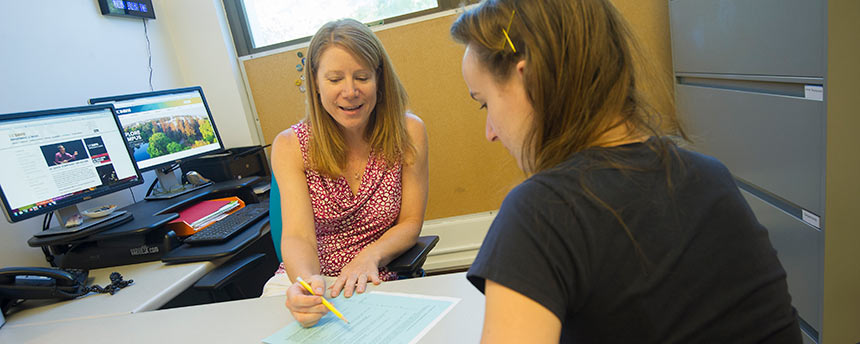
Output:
x=154 y=285
x=248 y=321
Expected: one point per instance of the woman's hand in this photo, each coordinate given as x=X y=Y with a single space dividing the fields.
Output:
x=355 y=275
x=307 y=309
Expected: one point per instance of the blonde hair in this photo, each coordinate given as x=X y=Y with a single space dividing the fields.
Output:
x=386 y=128
x=579 y=74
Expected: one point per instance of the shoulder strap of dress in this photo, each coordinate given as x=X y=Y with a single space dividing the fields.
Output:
x=303 y=133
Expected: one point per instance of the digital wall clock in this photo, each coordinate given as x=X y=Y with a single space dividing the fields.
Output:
x=127 y=8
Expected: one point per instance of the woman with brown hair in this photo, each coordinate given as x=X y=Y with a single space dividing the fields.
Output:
x=618 y=235
x=352 y=174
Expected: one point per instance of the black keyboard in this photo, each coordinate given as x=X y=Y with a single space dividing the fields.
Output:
x=229 y=226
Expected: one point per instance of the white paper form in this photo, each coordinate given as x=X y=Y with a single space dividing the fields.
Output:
x=374 y=317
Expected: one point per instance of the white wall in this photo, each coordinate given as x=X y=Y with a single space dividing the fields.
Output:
x=460 y=237
x=206 y=56
x=61 y=53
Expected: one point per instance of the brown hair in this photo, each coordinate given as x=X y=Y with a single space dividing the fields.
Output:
x=579 y=74
x=580 y=78
x=386 y=129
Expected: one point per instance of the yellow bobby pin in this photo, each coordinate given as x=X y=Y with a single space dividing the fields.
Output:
x=505 y=31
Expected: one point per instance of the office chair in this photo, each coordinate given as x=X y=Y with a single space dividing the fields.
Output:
x=407 y=265
x=221 y=284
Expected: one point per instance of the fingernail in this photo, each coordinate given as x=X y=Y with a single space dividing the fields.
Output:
x=318 y=290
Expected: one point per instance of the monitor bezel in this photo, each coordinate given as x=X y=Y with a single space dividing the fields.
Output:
x=124 y=97
x=76 y=199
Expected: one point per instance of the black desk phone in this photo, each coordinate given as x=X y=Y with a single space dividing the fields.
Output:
x=18 y=284
x=41 y=283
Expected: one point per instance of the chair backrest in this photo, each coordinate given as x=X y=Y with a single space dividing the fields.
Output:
x=275 y=218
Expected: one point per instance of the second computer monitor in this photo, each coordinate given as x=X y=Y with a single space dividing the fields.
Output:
x=165 y=127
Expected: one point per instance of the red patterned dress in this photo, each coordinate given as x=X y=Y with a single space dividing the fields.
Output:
x=346 y=223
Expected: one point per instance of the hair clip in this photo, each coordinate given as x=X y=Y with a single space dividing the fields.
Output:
x=505 y=31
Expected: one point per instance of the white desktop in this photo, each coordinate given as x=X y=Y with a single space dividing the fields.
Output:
x=249 y=320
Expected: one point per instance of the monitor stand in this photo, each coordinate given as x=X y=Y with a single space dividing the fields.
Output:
x=171 y=186
x=66 y=214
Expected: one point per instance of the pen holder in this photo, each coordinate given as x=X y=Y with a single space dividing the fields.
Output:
x=184 y=224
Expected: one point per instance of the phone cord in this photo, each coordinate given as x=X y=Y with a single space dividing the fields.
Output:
x=116 y=283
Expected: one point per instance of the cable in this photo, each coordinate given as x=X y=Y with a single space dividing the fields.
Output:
x=148 y=52
x=46 y=223
x=151 y=186
x=165 y=170
x=116 y=283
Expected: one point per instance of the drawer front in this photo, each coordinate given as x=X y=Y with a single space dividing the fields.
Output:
x=800 y=250
x=771 y=141
x=761 y=37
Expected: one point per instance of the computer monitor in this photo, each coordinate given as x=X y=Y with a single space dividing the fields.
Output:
x=54 y=159
x=164 y=128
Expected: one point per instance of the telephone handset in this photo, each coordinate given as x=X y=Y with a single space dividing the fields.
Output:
x=41 y=283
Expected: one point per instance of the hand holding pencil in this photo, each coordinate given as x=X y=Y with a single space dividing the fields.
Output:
x=324 y=301
x=306 y=305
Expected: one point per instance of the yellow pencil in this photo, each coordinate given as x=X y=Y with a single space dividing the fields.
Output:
x=324 y=301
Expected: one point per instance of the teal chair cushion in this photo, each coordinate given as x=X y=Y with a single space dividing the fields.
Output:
x=275 y=218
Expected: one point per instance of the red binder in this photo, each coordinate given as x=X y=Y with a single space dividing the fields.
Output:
x=187 y=216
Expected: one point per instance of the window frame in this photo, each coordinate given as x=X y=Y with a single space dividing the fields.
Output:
x=241 y=32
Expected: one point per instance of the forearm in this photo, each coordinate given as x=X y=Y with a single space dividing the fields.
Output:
x=300 y=256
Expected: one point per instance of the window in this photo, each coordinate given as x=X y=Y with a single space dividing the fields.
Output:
x=260 y=25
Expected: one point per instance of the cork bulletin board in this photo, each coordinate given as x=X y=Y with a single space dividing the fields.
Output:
x=467 y=173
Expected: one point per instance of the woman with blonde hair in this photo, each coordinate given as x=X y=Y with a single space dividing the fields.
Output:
x=618 y=235
x=352 y=174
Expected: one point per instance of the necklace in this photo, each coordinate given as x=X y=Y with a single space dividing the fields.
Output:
x=358 y=163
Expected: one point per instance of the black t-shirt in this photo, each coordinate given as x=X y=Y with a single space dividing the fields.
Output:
x=693 y=265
